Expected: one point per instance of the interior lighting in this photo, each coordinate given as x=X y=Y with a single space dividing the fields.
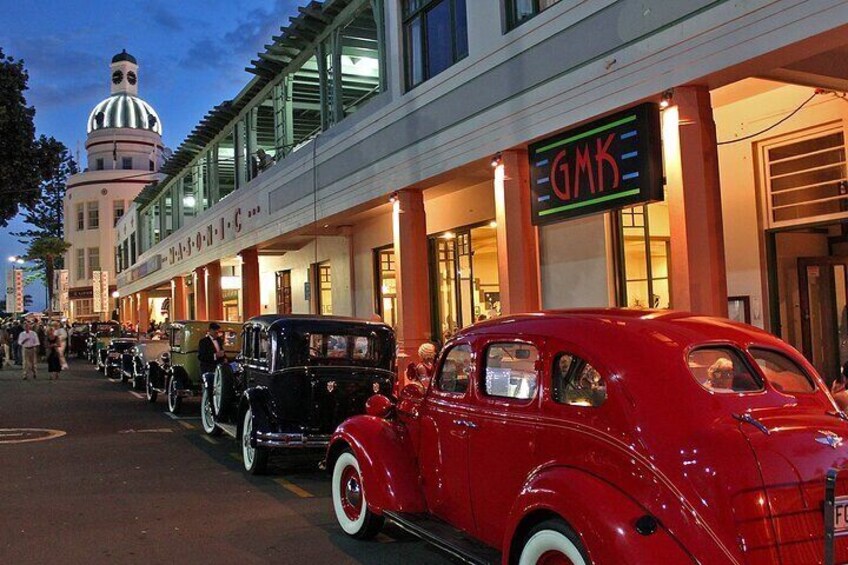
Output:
x=189 y=201
x=116 y=294
x=666 y=99
x=230 y=283
x=493 y=224
x=497 y=159
x=448 y=235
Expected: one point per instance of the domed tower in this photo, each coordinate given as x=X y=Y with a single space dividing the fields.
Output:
x=125 y=150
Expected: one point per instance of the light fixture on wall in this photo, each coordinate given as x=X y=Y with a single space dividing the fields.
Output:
x=497 y=159
x=666 y=98
x=393 y=198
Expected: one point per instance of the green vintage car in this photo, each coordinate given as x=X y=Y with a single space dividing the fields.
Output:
x=178 y=376
x=99 y=337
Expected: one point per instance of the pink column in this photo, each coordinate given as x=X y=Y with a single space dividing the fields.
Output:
x=178 y=298
x=698 y=274
x=411 y=262
x=251 y=299
x=200 y=293
x=518 y=254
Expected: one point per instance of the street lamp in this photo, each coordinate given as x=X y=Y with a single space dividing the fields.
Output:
x=17 y=259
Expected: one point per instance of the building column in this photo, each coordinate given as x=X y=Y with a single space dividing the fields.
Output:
x=409 y=222
x=250 y=294
x=200 y=293
x=214 y=296
x=143 y=302
x=518 y=252
x=178 y=298
x=698 y=273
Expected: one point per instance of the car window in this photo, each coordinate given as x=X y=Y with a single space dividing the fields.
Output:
x=722 y=370
x=176 y=338
x=264 y=346
x=361 y=347
x=784 y=374
x=511 y=370
x=230 y=338
x=247 y=343
x=337 y=346
x=456 y=370
x=576 y=382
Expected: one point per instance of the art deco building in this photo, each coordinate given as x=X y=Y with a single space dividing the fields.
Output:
x=124 y=151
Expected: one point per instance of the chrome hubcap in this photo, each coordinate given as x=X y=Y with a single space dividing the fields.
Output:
x=247 y=450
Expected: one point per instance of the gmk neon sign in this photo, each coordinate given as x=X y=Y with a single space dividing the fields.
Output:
x=611 y=163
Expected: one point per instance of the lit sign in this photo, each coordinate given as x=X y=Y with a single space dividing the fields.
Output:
x=607 y=164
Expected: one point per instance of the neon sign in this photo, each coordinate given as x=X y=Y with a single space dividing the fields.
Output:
x=607 y=164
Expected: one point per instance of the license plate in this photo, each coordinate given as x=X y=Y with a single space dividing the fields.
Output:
x=840 y=513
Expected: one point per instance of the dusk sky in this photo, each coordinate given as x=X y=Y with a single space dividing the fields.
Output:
x=191 y=56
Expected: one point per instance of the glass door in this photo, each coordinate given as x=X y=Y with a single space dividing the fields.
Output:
x=823 y=285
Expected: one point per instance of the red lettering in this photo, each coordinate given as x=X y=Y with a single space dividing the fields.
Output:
x=560 y=167
x=583 y=163
x=602 y=157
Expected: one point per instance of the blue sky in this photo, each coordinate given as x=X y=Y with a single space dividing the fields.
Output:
x=191 y=56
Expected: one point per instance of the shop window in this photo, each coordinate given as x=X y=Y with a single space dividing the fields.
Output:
x=643 y=252
x=805 y=178
x=284 y=292
x=456 y=370
x=519 y=11
x=722 y=370
x=93 y=215
x=435 y=35
x=386 y=291
x=464 y=272
x=84 y=307
x=576 y=382
x=511 y=370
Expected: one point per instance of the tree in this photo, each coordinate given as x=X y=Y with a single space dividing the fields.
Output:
x=24 y=160
x=45 y=251
x=47 y=214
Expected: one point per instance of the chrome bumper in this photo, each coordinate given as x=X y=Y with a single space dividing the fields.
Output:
x=289 y=440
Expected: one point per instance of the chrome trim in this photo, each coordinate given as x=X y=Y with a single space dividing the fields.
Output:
x=748 y=419
x=290 y=440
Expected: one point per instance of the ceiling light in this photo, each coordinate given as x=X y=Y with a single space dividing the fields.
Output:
x=666 y=99
x=497 y=159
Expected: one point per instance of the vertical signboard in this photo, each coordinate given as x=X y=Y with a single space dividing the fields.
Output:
x=104 y=290
x=607 y=164
x=97 y=292
x=19 y=290
x=10 y=291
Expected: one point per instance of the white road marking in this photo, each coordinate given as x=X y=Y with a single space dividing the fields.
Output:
x=138 y=395
x=211 y=440
x=151 y=431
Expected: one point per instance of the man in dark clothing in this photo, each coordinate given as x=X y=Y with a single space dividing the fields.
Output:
x=15 y=332
x=210 y=350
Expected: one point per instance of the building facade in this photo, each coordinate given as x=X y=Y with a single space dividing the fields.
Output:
x=436 y=162
x=124 y=152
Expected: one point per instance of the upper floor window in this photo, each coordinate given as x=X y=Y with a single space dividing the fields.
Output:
x=80 y=264
x=80 y=216
x=93 y=215
x=435 y=35
x=126 y=163
x=98 y=164
x=119 y=210
x=519 y=11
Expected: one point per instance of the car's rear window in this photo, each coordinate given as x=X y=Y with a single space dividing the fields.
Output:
x=341 y=347
x=784 y=374
x=722 y=370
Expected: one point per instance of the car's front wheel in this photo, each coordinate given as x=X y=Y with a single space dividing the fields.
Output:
x=553 y=542
x=207 y=418
x=175 y=401
x=255 y=458
x=152 y=393
x=349 y=502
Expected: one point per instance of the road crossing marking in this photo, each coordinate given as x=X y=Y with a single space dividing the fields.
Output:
x=293 y=488
x=138 y=395
x=211 y=440
x=187 y=426
x=27 y=435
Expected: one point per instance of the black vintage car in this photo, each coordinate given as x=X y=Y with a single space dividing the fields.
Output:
x=296 y=379
x=78 y=340
x=99 y=336
x=118 y=356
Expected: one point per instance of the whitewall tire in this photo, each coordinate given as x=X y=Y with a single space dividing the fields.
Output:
x=552 y=542
x=255 y=458
x=349 y=503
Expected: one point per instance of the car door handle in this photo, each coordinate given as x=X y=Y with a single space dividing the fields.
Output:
x=465 y=423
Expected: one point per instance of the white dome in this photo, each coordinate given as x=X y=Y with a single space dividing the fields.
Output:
x=124 y=111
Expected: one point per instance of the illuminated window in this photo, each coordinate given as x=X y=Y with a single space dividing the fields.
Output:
x=576 y=382
x=386 y=291
x=643 y=253
x=436 y=37
x=284 y=292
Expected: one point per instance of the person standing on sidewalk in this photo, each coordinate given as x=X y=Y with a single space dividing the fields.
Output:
x=28 y=341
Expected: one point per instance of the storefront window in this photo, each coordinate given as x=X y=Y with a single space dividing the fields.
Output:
x=386 y=280
x=643 y=257
x=465 y=268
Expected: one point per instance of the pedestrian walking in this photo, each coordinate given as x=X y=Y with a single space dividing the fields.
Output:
x=62 y=335
x=51 y=346
x=15 y=333
x=28 y=342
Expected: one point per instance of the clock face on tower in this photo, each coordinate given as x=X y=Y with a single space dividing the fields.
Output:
x=117 y=77
x=131 y=78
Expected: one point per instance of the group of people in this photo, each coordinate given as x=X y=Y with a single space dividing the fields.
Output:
x=24 y=342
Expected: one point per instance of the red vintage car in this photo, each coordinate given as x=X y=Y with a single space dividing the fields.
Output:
x=605 y=436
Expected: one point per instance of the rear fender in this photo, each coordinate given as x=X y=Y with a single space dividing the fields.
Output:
x=387 y=461
x=260 y=402
x=602 y=515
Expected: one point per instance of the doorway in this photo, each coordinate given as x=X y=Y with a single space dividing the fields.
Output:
x=822 y=282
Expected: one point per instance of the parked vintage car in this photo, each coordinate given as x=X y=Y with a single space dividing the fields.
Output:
x=99 y=336
x=606 y=436
x=298 y=377
x=78 y=340
x=181 y=378
x=137 y=360
x=114 y=363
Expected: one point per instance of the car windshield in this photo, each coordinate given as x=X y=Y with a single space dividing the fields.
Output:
x=106 y=331
x=122 y=345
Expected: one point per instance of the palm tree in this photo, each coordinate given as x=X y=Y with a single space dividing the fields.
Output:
x=45 y=251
